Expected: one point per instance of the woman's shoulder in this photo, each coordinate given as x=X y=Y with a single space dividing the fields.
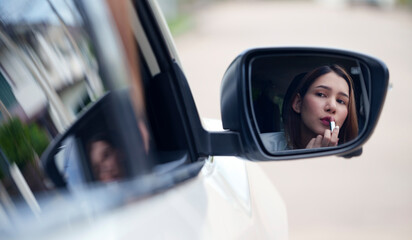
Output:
x=274 y=141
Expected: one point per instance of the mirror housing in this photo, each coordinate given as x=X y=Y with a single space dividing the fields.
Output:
x=237 y=104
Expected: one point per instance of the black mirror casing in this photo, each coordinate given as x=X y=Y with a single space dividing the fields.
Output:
x=237 y=107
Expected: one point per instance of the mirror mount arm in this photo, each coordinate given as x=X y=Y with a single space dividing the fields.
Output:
x=222 y=144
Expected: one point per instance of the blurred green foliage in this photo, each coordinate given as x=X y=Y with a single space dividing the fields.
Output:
x=180 y=24
x=21 y=142
x=38 y=138
x=405 y=2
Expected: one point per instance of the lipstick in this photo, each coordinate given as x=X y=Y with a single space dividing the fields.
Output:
x=332 y=124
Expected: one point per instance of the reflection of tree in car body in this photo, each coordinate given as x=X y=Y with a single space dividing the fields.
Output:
x=315 y=99
x=105 y=159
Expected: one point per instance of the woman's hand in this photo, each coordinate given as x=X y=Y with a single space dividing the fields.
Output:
x=329 y=139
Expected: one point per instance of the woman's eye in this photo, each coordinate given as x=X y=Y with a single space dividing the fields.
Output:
x=319 y=94
x=341 y=102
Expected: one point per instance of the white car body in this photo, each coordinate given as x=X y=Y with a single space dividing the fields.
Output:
x=230 y=198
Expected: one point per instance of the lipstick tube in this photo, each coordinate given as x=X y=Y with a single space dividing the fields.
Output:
x=332 y=125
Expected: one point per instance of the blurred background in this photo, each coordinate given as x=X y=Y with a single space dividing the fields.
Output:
x=368 y=197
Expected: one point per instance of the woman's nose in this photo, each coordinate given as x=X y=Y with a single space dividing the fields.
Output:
x=330 y=106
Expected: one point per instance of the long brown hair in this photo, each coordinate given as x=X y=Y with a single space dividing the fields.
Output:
x=300 y=85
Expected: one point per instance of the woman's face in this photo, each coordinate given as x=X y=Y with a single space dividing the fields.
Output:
x=105 y=161
x=327 y=98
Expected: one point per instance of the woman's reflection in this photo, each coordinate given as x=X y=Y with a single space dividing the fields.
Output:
x=105 y=159
x=313 y=101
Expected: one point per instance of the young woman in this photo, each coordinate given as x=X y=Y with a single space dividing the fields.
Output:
x=105 y=159
x=315 y=99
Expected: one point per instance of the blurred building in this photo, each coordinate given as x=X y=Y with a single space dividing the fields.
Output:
x=41 y=69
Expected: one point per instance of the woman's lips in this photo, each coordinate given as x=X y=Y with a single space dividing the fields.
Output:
x=326 y=120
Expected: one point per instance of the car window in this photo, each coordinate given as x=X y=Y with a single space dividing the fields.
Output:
x=55 y=91
x=47 y=62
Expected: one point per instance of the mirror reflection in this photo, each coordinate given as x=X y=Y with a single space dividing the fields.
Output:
x=303 y=102
x=103 y=160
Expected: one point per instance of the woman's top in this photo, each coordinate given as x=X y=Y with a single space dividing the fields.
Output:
x=274 y=141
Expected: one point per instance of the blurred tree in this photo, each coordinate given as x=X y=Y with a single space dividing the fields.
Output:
x=15 y=142
x=21 y=145
x=38 y=138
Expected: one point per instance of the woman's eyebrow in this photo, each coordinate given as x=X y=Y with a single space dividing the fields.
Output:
x=343 y=94
x=329 y=89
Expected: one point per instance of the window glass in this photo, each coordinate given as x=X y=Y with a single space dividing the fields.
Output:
x=48 y=77
x=47 y=64
x=52 y=85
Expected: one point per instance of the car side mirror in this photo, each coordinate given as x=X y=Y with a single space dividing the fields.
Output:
x=283 y=101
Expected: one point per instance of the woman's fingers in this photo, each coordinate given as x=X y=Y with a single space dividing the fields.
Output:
x=329 y=139
x=311 y=142
x=315 y=142
x=326 y=138
x=334 y=138
x=318 y=142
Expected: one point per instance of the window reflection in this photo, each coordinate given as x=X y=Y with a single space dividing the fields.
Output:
x=48 y=76
x=47 y=59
